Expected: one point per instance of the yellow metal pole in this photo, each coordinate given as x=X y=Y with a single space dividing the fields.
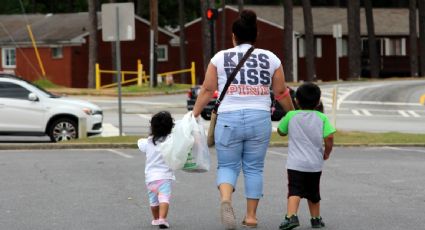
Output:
x=192 y=71
x=40 y=63
x=139 y=72
x=97 y=76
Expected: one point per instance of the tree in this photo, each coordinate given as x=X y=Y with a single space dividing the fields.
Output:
x=413 y=39
x=153 y=4
x=92 y=43
x=422 y=35
x=354 y=41
x=182 y=35
x=309 y=40
x=223 y=24
x=240 y=5
x=373 y=51
x=288 y=40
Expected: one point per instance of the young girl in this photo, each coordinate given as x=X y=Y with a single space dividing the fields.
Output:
x=158 y=175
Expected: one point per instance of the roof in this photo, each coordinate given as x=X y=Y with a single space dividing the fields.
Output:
x=64 y=28
x=388 y=21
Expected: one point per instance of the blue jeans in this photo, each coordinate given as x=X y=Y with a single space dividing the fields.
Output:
x=241 y=140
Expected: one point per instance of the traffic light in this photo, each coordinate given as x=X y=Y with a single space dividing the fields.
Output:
x=212 y=14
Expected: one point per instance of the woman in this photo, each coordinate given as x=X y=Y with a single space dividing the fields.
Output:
x=243 y=128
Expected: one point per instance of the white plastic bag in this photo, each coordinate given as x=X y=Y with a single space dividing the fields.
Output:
x=198 y=159
x=176 y=147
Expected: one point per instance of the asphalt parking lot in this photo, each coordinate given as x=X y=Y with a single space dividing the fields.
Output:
x=378 y=188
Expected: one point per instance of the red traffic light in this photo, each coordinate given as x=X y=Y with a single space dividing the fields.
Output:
x=212 y=14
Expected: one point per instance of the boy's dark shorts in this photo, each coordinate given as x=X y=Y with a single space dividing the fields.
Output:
x=304 y=184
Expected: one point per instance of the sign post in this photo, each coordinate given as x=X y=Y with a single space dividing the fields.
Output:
x=337 y=34
x=118 y=25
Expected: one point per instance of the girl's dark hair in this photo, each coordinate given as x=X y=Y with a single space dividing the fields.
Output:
x=308 y=96
x=161 y=125
x=245 y=27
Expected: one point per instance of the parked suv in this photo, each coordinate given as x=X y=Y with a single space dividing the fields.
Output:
x=28 y=110
x=193 y=92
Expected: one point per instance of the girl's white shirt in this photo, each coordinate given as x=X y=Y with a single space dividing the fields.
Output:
x=155 y=166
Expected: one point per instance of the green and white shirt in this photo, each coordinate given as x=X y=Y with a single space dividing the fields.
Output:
x=306 y=130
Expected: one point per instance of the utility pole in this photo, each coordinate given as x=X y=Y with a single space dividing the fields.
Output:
x=154 y=42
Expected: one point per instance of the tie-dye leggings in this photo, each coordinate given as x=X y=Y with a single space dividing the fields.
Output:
x=159 y=191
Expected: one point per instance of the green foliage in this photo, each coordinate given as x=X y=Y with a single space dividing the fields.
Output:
x=160 y=88
x=45 y=83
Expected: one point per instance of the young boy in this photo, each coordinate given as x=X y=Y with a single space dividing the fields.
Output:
x=307 y=128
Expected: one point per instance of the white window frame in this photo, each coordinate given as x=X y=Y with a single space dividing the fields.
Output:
x=52 y=48
x=4 y=53
x=165 y=48
x=318 y=47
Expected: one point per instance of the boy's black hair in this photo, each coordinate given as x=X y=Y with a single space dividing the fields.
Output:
x=161 y=125
x=308 y=96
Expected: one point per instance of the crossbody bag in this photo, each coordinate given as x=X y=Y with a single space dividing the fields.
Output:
x=210 y=136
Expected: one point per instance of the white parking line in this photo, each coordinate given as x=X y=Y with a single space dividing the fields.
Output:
x=413 y=113
x=144 y=116
x=366 y=112
x=278 y=153
x=119 y=153
x=109 y=130
x=355 y=112
x=403 y=113
x=403 y=149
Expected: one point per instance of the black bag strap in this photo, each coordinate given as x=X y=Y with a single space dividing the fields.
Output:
x=232 y=76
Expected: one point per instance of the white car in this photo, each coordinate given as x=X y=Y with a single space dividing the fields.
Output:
x=28 y=110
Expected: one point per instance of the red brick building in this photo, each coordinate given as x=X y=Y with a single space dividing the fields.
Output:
x=62 y=41
x=391 y=29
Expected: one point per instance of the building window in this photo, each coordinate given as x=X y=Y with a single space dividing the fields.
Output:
x=318 y=47
x=57 y=52
x=344 y=48
x=395 y=47
x=8 y=57
x=302 y=45
x=162 y=51
x=301 y=48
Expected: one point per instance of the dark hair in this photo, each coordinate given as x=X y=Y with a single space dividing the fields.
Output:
x=161 y=125
x=245 y=27
x=308 y=96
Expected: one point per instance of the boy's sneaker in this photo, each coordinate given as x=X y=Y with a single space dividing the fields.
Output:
x=155 y=222
x=289 y=223
x=163 y=224
x=317 y=222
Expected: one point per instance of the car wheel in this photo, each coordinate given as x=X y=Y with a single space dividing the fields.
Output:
x=63 y=129
x=206 y=116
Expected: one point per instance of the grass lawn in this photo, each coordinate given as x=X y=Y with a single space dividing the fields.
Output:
x=341 y=138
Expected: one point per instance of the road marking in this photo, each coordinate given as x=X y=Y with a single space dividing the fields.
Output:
x=109 y=130
x=355 y=112
x=366 y=112
x=148 y=117
x=404 y=149
x=403 y=113
x=381 y=103
x=413 y=113
x=422 y=99
x=119 y=153
x=278 y=153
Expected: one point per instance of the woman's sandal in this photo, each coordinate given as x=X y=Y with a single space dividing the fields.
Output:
x=249 y=225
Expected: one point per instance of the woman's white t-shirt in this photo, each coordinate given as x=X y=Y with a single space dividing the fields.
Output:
x=251 y=87
x=155 y=167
